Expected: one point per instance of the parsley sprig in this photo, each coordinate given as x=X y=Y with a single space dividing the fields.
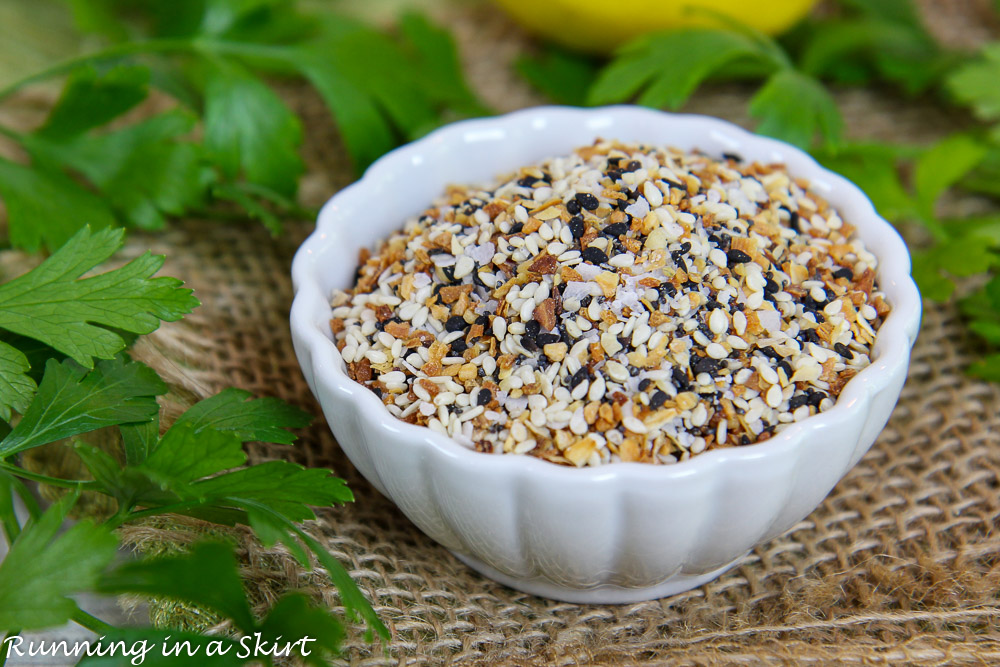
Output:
x=226 y=138
x=66 y=375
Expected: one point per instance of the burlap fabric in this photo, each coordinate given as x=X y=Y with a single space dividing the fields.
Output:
x=898 y=565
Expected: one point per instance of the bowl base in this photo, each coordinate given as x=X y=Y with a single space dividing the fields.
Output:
x=603 y=594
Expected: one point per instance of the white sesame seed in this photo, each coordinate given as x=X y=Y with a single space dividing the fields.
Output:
x=773 y=397
x=717 y=321
x=739 y=322
x=464 y=266
x=716 y=351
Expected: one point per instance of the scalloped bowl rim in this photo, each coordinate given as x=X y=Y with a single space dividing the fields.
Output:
x=894 y=338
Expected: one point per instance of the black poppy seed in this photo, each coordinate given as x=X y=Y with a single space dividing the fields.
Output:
x=690 y=284
x=732 y=156
x=705 y=365
x=843 y=351
x=787 y=367
x=667 y=288
x=686 y=247
x=516 y=228
x=657 y=400
x=680 y=379
x=576 y=226
x=578 y=377
x=808 y=336
x=532 y=327
x=455 y=323
x=770 y=352
x=528 y=343
x=585 y=301
x=613 y=161
x=614 y=174
x=449 y=273
x=644 y=384
x=844 y=273
x=544 y=339
x=594 y=255
x=616 y=229
x=484 y=397
x=483 y=320
x=771 y=287
x=815 y=398
x=737 y=256
x=573 y=206
x=797 y=401
x=793 y=221
x=675 y=184
x=587 y=200
x=744 y=440
x=458 y=346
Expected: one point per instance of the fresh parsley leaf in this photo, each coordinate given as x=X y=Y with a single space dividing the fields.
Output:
x=250 y=130
x=876 y=169
x=45 y=208
x=884 y=39
x=146 y=171
x=138 y=440
x=975 y=84
x=52 y=304
x=285 y=487
x=355 y=604
x=72 y=400
x=42 y=569
x=935 y=269
x=294 y=617
x=91 y=99
x=985 y=178
x=16 y=387
x=206 y=576
x=561 y=76
x=793 y=107
x=943 y=165
x=670 y=65
x=986 y=368
x=437 y=67
x=185 y=454
x=232 y=411
x=366 y=132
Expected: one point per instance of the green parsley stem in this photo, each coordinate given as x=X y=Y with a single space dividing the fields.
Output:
x=4 y=645
x=110 y=53
x=84 y=485
x=92 y=623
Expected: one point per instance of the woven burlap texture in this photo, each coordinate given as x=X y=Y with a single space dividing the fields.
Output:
x=898 y=565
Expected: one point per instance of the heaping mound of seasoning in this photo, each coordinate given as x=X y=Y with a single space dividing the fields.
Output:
x=624 y=303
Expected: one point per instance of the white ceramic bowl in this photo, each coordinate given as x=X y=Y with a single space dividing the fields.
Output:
x=617 y=533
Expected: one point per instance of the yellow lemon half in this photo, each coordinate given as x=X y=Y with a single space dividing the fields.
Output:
x=598 y=26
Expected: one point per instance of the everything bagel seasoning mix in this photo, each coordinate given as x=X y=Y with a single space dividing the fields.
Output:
x=622 y=303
